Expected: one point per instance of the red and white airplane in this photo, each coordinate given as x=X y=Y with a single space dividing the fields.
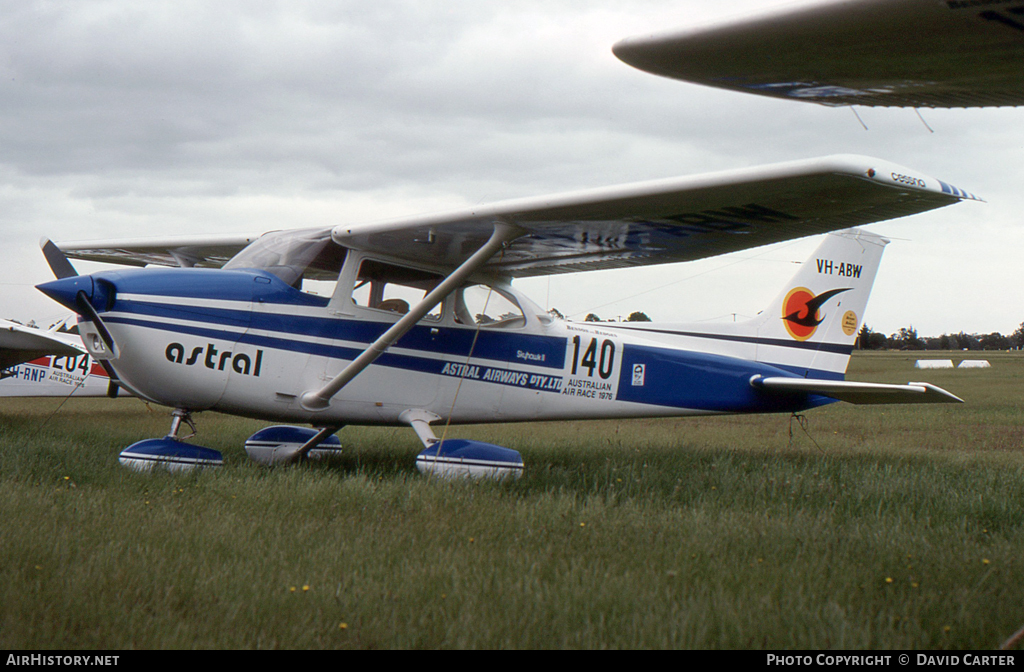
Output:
x=48 y=363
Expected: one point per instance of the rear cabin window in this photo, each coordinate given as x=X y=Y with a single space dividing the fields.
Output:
x=395 y=289
x=487 y=307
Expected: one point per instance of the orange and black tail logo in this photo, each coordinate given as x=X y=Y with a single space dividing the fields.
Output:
x=801 y=311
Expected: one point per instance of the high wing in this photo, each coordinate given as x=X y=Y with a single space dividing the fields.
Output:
x=19 y=344
x=187 y=252
x=665 y=221
x=893 y=53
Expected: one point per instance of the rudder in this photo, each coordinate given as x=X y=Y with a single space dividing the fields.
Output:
x=811 y=327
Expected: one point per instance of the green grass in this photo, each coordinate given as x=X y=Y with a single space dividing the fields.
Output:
x=880 y=527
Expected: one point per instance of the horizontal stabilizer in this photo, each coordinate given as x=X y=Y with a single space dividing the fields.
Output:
x=859 y=393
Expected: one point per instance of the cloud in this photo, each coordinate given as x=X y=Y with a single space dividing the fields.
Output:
x=128 y=119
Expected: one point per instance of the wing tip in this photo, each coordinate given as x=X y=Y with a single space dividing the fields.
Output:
x=934 y=390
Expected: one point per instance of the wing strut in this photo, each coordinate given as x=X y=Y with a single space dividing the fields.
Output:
x=318 y=400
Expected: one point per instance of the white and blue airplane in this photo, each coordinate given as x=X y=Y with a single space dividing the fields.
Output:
x=416 y=321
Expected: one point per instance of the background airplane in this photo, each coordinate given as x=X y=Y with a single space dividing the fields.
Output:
x=48 y=363
x=893 y=53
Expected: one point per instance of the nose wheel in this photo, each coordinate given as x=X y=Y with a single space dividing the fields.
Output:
x=179 y=416
x=171 y=452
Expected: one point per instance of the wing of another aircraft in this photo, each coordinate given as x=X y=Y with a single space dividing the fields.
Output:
x=893 y=53
x=19 y=344
x=48 y=363
x=658 y=222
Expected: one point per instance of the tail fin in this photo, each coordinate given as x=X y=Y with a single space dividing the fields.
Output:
x=811 y=327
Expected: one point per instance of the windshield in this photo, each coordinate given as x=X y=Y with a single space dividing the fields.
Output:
x=293 y=255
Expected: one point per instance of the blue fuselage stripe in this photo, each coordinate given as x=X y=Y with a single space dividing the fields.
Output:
x=443 y=367
x=546 y=351
x=709 y=382
x=835 y=348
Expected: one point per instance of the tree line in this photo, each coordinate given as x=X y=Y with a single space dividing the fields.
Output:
x=635 y=316
x=907 y=338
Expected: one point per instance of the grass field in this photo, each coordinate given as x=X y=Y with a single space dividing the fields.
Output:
x=878 y=527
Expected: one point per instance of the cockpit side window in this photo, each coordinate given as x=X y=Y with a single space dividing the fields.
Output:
x=307 y=260
x=395 y=289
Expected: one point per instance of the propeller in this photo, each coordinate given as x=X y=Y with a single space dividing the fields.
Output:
x=58 y=262
x=76 y=291
x=86 y=310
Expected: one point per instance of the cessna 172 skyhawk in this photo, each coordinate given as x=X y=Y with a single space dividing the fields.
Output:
x=415 y=321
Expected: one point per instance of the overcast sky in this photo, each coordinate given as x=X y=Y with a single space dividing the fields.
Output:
x=129 y=119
